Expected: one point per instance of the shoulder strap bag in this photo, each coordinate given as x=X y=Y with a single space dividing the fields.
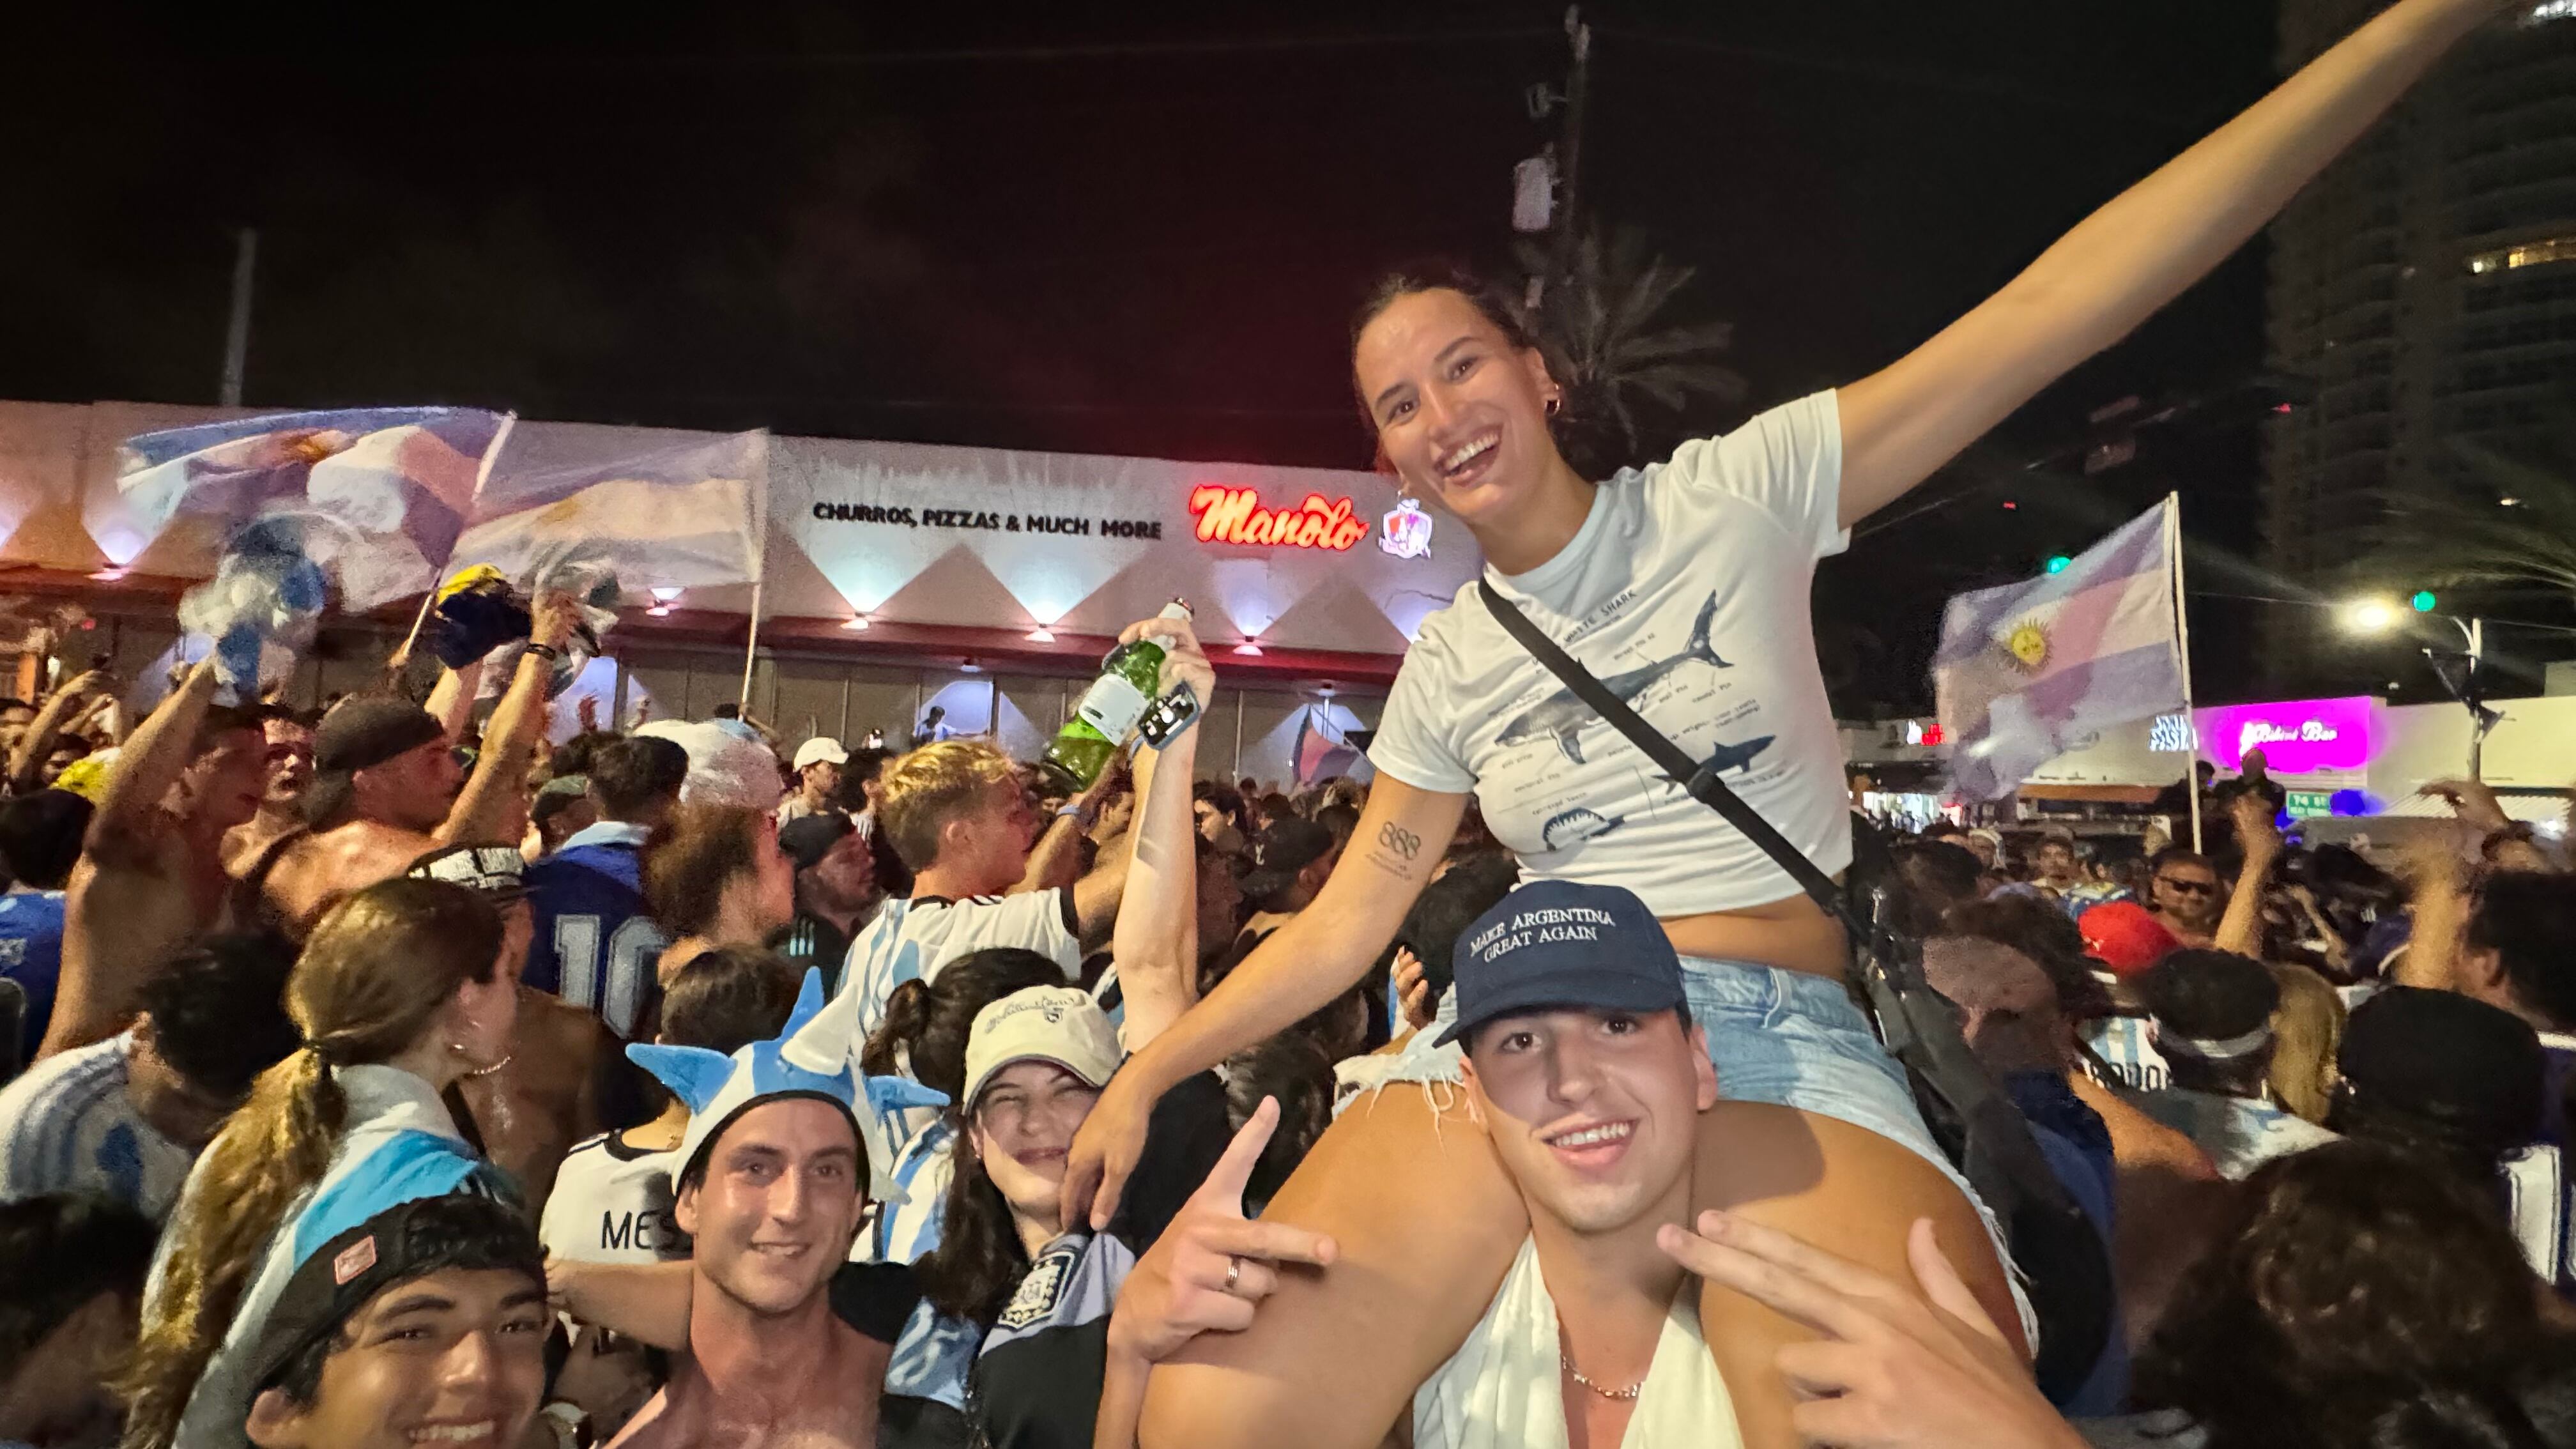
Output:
x=1976 y=1125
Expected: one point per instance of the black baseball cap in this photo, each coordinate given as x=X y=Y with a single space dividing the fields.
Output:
x=808 y=838
x=1281 y=850
x=407 y=1241
x=360 y=732
x=1558 y=944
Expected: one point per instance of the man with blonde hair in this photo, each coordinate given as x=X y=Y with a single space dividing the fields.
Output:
x=958 y=816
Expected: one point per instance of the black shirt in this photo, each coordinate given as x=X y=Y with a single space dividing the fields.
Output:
x=875 y=1298
x=810 y=941
x=1036 y=1383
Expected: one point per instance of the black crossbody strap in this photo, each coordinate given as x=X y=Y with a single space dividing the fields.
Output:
x=1696 y=780
x=1919 y=1028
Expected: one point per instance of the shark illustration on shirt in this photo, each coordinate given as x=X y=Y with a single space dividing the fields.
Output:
x=1564 y=716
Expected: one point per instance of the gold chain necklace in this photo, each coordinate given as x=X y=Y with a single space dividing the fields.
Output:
x=1629 y=1392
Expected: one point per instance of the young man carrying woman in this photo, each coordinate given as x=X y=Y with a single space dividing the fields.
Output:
x=1689 y=579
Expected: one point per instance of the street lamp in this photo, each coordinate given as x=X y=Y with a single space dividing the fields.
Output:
x=2369 y=616
x=2456 y=668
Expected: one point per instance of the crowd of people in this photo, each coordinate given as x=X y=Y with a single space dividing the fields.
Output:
x=765 y=1075
x=402 y=1075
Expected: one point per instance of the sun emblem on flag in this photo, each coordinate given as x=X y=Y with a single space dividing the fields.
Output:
x=2028 y=646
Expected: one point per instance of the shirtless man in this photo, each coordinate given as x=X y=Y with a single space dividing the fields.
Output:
x=384 y=789
x=281 y=810
x=773 y=1180
x=152 y=874
x=564 y=1079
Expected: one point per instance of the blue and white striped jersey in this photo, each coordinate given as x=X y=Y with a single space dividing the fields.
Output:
x=68 y=1126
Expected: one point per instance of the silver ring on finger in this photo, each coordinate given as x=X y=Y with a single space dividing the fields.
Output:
x=1233 y=1273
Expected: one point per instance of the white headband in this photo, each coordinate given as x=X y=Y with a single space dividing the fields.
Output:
x=2216 y=1049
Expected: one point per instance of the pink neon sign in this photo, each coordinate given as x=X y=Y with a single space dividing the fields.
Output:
x=2300 y=737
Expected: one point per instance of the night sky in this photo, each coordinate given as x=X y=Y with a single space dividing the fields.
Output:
x=1101 y=230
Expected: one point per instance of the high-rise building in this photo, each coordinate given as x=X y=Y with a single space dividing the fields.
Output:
x=2427 y=284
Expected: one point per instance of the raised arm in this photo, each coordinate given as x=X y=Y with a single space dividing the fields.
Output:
x=38 y=741
x=2122 y=263
x=2241 y=929
x=1156 y=941
x=1323 y=951
x=481 y=815
x=98 y=979
x=152 y=761
x=451 y=700
x=1058 y=853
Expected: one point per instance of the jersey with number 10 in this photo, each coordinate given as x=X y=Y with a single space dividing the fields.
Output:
x=594 y=944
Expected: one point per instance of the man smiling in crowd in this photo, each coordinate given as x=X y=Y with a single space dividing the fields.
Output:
x=424 y=1324
x=1592 y=1080
x=774 y=1176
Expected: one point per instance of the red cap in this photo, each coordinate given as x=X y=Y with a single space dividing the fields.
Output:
x=2124 y=937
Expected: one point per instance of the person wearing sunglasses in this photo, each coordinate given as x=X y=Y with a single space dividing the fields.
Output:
x=2185 y=896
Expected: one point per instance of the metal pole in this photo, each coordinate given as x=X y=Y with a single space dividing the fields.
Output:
x=1570 y=151
x=2477 y=723
x=2182 y=642
x=751 y=647
x=237 y=327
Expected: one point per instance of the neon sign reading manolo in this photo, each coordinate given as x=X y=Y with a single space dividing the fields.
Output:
x=1235 y=515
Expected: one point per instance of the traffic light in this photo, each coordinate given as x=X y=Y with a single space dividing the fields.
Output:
x=2423 y=601
x=2058 y=562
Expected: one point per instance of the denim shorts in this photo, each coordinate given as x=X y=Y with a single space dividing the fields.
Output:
x=1788 y=1038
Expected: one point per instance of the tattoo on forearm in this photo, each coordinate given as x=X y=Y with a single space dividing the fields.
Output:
x=1396 y=849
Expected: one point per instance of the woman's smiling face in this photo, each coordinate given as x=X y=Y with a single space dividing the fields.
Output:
x=1023 y=1122
x=1460 y=409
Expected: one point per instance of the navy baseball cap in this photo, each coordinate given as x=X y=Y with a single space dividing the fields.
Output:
x=1557 y=944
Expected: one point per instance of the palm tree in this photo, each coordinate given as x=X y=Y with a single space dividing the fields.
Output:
x=2508 y=524
x=1607 y=329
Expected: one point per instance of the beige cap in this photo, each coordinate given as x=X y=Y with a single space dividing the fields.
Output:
x=1059 y=1024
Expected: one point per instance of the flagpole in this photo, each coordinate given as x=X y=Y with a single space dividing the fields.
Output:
x=751 y=645
x=760 y=580
x=2182 y=637
x=482 y=475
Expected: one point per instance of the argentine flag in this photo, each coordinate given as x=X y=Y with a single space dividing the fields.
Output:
x=2024 y=668
x=378 y=496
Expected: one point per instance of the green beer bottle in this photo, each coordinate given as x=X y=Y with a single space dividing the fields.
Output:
x=1129 y=679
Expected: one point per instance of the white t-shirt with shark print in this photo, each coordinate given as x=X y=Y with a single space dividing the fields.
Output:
x=1686 y=592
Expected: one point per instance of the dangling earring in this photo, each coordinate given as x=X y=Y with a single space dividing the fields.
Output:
x=1555 y=402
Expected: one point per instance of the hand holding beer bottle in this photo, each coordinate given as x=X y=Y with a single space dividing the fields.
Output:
x=1153 y=658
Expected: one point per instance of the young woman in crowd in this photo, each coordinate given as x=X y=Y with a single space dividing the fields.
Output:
x=399 y=996
x=924 y=1037
x=717 y=878
x=1037 y=1061
x=1689 y=580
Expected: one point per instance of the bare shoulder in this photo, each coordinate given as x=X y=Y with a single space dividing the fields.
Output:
x=377 y=851
x=317 y=870
x=575 y=1031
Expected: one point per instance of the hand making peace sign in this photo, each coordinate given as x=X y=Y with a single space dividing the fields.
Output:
x=1212 y=1265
